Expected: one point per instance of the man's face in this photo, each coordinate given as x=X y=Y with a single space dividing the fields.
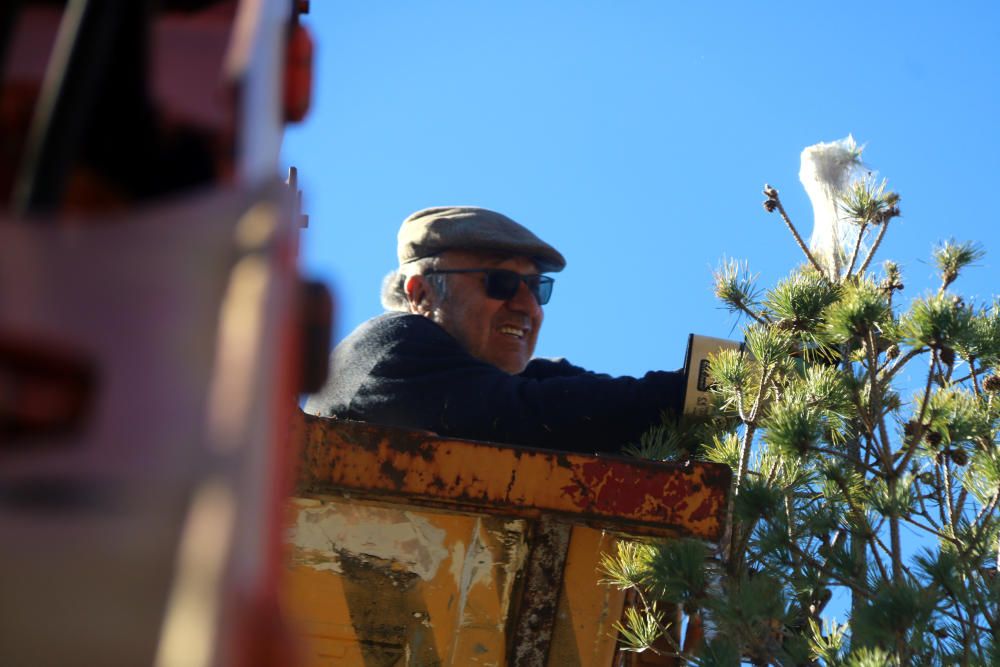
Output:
x=502 y=333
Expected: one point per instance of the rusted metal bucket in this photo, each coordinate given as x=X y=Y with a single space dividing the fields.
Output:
x=410 y=549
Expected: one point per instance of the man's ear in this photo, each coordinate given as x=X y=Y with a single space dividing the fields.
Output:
x=419 y=295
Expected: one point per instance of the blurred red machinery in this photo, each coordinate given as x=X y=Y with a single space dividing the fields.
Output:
x=153 y=328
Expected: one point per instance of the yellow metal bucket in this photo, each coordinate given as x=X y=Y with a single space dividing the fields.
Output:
x=411 y=550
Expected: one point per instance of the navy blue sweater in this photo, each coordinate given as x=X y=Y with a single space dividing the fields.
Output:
x=405 y=370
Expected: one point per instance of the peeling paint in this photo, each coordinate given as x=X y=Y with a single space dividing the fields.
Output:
x=457 y=553
x=476 y=569
x=323 y=535
x=457 y=561
x=635 y=497
x=539 y=599
x=515 y=550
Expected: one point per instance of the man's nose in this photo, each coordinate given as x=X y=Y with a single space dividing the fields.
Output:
x=523 y=300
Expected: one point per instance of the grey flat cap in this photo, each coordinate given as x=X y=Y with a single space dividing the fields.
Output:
x=434 y=230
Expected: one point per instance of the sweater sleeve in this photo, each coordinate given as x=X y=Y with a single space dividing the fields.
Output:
x=426 y=380
x=541 y=369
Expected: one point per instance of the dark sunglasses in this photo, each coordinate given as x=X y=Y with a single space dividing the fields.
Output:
x=503 y=284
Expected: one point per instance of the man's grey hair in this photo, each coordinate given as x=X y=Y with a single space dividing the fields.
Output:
x=393 y=294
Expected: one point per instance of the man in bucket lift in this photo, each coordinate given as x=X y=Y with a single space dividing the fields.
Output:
x=454 y=354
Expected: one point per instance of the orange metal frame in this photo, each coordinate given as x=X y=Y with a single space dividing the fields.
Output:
x=623 y=495
x=456 y=552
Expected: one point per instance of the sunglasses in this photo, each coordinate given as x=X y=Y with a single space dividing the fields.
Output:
x=503 y=284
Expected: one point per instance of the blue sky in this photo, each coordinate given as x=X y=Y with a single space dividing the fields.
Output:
x=635 y=136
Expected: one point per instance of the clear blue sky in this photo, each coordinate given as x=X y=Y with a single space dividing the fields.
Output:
x=635 y=136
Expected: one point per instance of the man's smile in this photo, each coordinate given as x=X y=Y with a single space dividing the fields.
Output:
x=512 y=330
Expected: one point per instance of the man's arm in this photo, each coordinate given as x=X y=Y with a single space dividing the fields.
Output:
x=542 y=369
x=416 y=375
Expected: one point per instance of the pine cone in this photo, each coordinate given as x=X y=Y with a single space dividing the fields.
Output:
x=992 y=384
x=959 y=456
x=770 y=205
x=933 y=438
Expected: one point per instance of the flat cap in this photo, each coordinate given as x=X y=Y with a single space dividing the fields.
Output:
x=433 y=230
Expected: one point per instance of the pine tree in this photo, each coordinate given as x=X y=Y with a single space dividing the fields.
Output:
x=833 y=458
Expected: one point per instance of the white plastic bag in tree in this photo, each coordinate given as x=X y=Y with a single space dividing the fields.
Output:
x=827 y=172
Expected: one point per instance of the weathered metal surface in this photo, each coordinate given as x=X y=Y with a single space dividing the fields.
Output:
x=536 y=614
x=372 y=584
x=624 y=495
x=584 y=630
x=414 y=550
x=379 y=584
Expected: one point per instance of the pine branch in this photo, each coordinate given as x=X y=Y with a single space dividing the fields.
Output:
x=751 y=427
x=965 y=636
x=739 y=406
x=924 y=513
x=973 y=375
x=874 y=248
x=988 y=509
x=911 y=447
x=857 y=510
x=774 y=202
x=875 y=544
x=980 y=531
x=875 y=403
x=744 y=456
x=855 y=587
x=947 y=376
x=902 y=361
x=796 y=562
x=826 y=571
x=963 y=496
x=954 y=617
x=948 y=498
x=857 y=249
x=984 y=609
x=746 y=310
x=932 y=531
x=652 y=628
x=846 y=458
x=772 y=473
x=938 y=485
x=884 y=448
x=975 y=378
x=894 y=536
